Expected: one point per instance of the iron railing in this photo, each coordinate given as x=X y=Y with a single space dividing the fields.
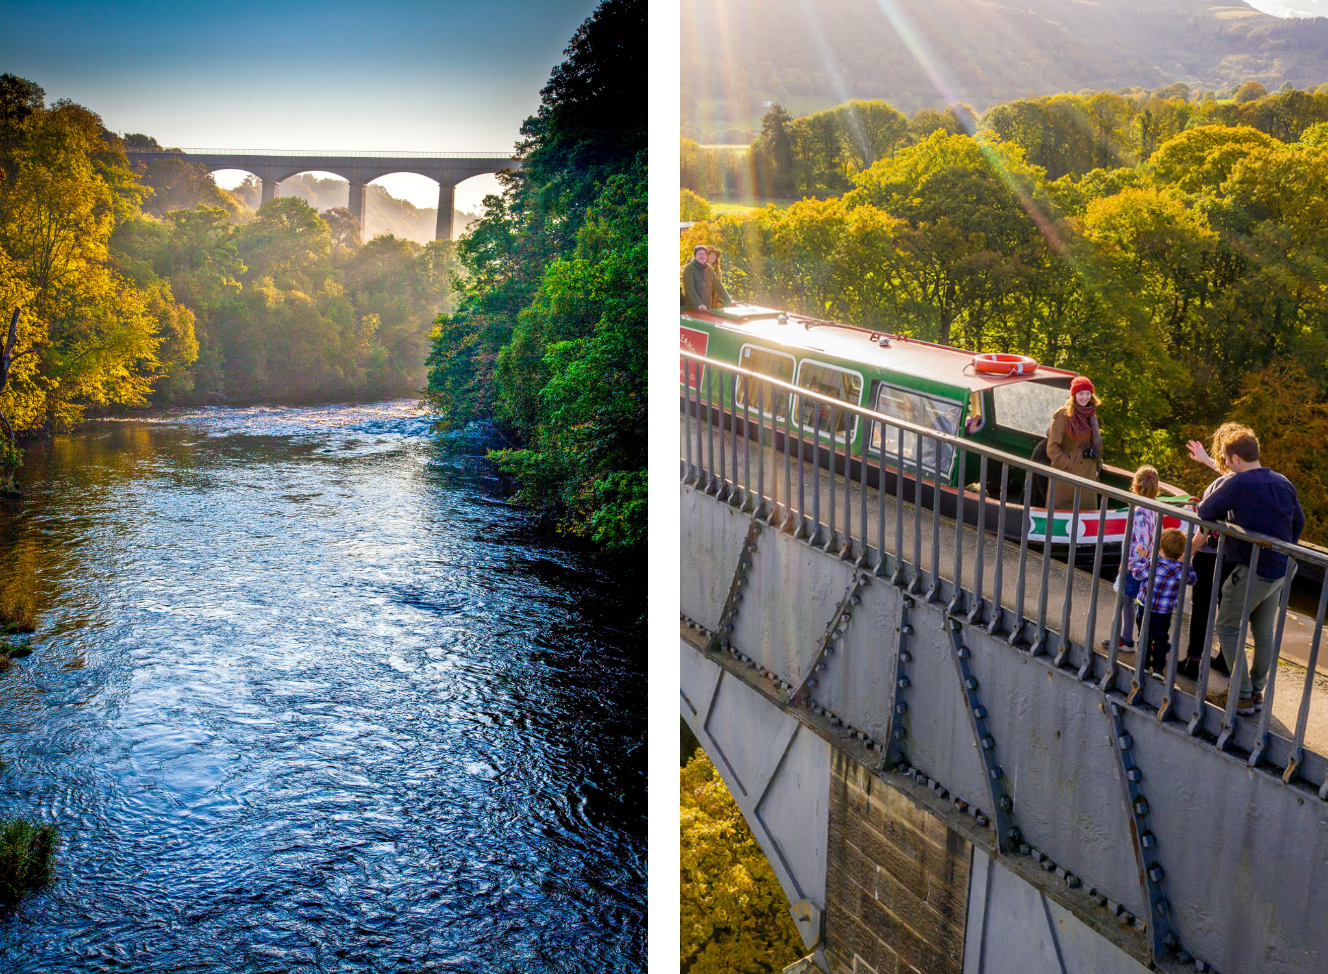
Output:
x=812 y=484
x=337 y=153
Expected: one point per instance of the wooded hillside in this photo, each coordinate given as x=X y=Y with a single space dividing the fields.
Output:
x=739 y=55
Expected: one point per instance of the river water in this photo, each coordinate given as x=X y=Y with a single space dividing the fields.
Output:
x=308 y=696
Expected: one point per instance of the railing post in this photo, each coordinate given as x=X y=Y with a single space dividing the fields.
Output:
x=1240 y=666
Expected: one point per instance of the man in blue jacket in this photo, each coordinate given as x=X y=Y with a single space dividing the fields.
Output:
x=1259 y=500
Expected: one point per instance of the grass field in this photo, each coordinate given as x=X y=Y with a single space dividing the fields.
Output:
x=746 y=204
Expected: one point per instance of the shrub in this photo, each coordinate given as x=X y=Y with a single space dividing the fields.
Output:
x=16 y=615
x=693 y=207
x=27 y=855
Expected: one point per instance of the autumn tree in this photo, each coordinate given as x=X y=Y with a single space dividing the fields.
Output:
x=733 y=914
x=92 y=336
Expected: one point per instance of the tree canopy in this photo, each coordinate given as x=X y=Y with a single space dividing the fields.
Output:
x=548 y=341
x=129 y=286
x=1187 y=278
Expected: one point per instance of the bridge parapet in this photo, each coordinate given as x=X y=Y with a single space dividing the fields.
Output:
x=1171 y=828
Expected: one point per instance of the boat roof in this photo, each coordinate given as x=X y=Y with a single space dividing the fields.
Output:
x=939 y=363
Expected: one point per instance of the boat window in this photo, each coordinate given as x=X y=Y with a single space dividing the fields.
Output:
x=829 y=381
x=915 y=407
x=777 y=365
x=1028 y=406
x=976 y=418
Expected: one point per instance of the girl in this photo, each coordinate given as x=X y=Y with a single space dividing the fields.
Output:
x=1137 y=552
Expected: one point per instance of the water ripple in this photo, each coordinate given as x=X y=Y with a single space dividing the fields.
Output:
x=307 y=698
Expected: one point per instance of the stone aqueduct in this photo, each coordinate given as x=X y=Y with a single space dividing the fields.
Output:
x=358 y=168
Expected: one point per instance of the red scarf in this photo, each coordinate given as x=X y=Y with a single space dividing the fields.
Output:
x=1081 y=417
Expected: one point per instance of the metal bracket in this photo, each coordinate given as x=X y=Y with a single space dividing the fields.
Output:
x=719 y=639
x=810 y=921
x=1007 y=834
x=834 y=632
x=892 y=753
x=1161 y=937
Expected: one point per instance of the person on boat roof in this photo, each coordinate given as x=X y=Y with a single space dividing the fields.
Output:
x=702 y=287
x=1074 y=443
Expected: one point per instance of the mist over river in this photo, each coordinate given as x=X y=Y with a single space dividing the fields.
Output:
x=307 y=695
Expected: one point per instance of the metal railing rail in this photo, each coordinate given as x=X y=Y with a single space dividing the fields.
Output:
x=709 y=405
x=337 y=153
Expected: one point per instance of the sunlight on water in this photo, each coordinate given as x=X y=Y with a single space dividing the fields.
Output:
x=308 y=696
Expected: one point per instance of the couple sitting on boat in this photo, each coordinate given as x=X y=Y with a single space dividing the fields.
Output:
x=702 y=285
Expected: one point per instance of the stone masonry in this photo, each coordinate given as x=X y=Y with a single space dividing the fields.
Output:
x=896 y=881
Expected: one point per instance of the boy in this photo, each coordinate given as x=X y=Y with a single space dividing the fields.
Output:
x=1160 y=597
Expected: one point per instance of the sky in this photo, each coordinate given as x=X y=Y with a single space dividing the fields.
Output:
x=432 y=76
x=1292 y=8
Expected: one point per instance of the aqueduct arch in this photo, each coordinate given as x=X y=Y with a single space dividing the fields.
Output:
x=447 y=169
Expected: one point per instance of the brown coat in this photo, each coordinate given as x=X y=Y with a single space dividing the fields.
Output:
x=1066 y=452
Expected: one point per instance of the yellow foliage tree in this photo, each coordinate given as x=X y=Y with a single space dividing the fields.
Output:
x=734 y=915
x=86 y=336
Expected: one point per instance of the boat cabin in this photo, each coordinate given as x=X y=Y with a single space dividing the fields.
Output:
x=930 y=385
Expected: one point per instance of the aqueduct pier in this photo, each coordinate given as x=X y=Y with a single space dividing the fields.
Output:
x=271 y=166
x=944 y=772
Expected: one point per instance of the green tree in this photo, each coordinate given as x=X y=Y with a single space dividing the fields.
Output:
x=772 y=155
x=869 y=131
x=548 y=339
x=177 y=184
x=968 y=211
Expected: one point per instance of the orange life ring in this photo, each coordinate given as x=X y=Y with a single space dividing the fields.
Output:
x=996 y=363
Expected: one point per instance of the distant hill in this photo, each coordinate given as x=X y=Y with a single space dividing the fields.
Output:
x=740 y=55
x=384 y=213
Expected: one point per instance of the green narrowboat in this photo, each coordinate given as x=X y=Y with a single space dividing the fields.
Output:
x=930 y=385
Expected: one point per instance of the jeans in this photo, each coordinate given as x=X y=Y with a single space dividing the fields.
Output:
x=1159 y=641
x=1264 y=599
x=1128 y=615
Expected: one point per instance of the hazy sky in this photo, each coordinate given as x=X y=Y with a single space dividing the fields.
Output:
x=423 y=75
x=1292 y=8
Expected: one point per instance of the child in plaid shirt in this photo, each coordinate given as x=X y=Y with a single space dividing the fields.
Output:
x=1160 y=597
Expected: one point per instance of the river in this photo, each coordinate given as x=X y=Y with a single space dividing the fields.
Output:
x=307 y=695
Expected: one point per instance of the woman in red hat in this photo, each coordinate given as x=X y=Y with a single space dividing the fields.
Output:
x=1074 y=443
